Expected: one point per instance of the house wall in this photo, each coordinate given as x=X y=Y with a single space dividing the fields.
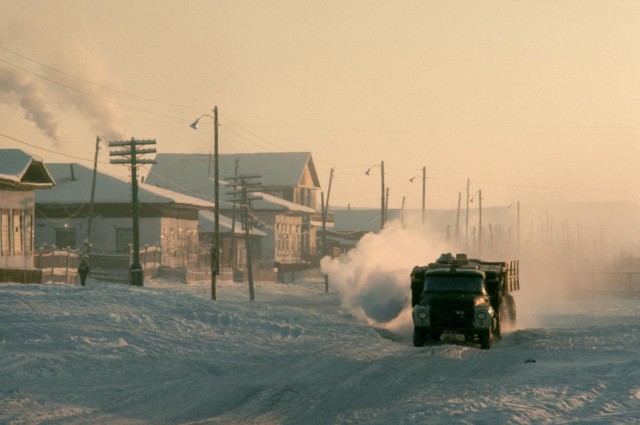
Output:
x=288 y=239
x=267 y=249
x=16 y=229
x=179 y=241
x=104 y=231
x=306 y=194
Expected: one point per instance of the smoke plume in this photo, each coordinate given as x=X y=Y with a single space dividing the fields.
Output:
x=31 y=98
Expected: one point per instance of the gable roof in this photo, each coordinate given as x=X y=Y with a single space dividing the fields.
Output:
x=274 y=168
x=207 y=220
x=74 y=181
x=20 y=169
x=189 y=174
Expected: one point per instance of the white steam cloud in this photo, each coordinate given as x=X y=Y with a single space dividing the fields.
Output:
x=373 y=278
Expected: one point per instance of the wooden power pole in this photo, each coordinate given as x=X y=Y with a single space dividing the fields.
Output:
x=325 y=210
x=93 y=194
x=242 y=195
x=130 y=154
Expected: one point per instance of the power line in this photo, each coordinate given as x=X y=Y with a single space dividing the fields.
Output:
x=44 y=149
x=92 y=82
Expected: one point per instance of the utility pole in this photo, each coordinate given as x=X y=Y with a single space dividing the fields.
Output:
x=424 y=185
x=480 y=223
x=386 y=206
x=130 y=154
x=216 y=177
x=383 y=219
x=402 y=212
x=518 y=225
x=382 y=193
x=325 y=210
x=233 y=223
x=458 y=217
x=243 y=197
x=93 y=193
x=467 y=220
x=215 y=248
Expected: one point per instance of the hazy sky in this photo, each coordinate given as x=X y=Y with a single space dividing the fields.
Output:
x=534 y=101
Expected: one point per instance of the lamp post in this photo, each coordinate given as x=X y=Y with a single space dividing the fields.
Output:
x=215 y=249
x=424 y=183
x=382 y=196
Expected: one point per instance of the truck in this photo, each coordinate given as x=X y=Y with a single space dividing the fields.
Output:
x=459 y=295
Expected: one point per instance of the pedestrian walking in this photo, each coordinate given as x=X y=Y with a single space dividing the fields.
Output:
x=83 y=271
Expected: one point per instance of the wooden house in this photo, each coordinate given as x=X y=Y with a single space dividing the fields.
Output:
x=286 y=211
x=20 y=175
x=166 y=218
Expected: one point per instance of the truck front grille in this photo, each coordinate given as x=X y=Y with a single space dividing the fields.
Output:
x=452 y=314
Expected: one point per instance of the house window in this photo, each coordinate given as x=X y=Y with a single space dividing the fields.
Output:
x=66 y=237
x=6 y=226
x=124 y=238
x=28 y=233
x=17 y=232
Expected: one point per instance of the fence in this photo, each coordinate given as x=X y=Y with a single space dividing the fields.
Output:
x=57 y=265
x=61 y=265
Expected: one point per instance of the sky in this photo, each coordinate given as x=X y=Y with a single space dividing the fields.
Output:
x=537 y=102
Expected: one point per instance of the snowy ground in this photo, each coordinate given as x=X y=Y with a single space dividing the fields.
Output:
x=167 y=354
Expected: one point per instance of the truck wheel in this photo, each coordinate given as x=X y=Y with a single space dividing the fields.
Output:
x=485 y=340
x=419 y=337
x=502 y=319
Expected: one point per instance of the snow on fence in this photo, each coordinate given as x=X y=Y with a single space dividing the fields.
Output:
x=57 y=265
x=61 y=265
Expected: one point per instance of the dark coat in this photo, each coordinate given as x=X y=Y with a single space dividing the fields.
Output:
x=83 y=270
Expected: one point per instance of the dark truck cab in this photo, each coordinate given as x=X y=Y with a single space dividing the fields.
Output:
x=462 y=296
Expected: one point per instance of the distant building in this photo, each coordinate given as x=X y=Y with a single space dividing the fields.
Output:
x=287 y=212
x=167 y=218
x=20 y=175
x=233 y=245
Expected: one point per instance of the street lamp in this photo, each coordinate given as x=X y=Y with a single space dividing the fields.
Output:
x=424 y=183
x=382 y=203
x=215 y=249
x=479 y=193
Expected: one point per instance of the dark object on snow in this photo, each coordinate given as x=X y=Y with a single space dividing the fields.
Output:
x=464 y=296
x=529 y=361
x=83 y=271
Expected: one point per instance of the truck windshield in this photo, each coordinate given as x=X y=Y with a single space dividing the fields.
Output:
x=441 y=283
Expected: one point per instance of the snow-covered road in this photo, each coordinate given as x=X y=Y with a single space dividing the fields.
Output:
x=166 y=354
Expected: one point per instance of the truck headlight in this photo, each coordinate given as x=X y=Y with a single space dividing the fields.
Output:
x=482 y=317
x=421 y=315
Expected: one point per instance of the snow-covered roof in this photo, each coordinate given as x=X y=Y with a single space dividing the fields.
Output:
x=18 y=168
x=195 y=181
x=74 y=181
x=274 y=168
x=207 y=221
